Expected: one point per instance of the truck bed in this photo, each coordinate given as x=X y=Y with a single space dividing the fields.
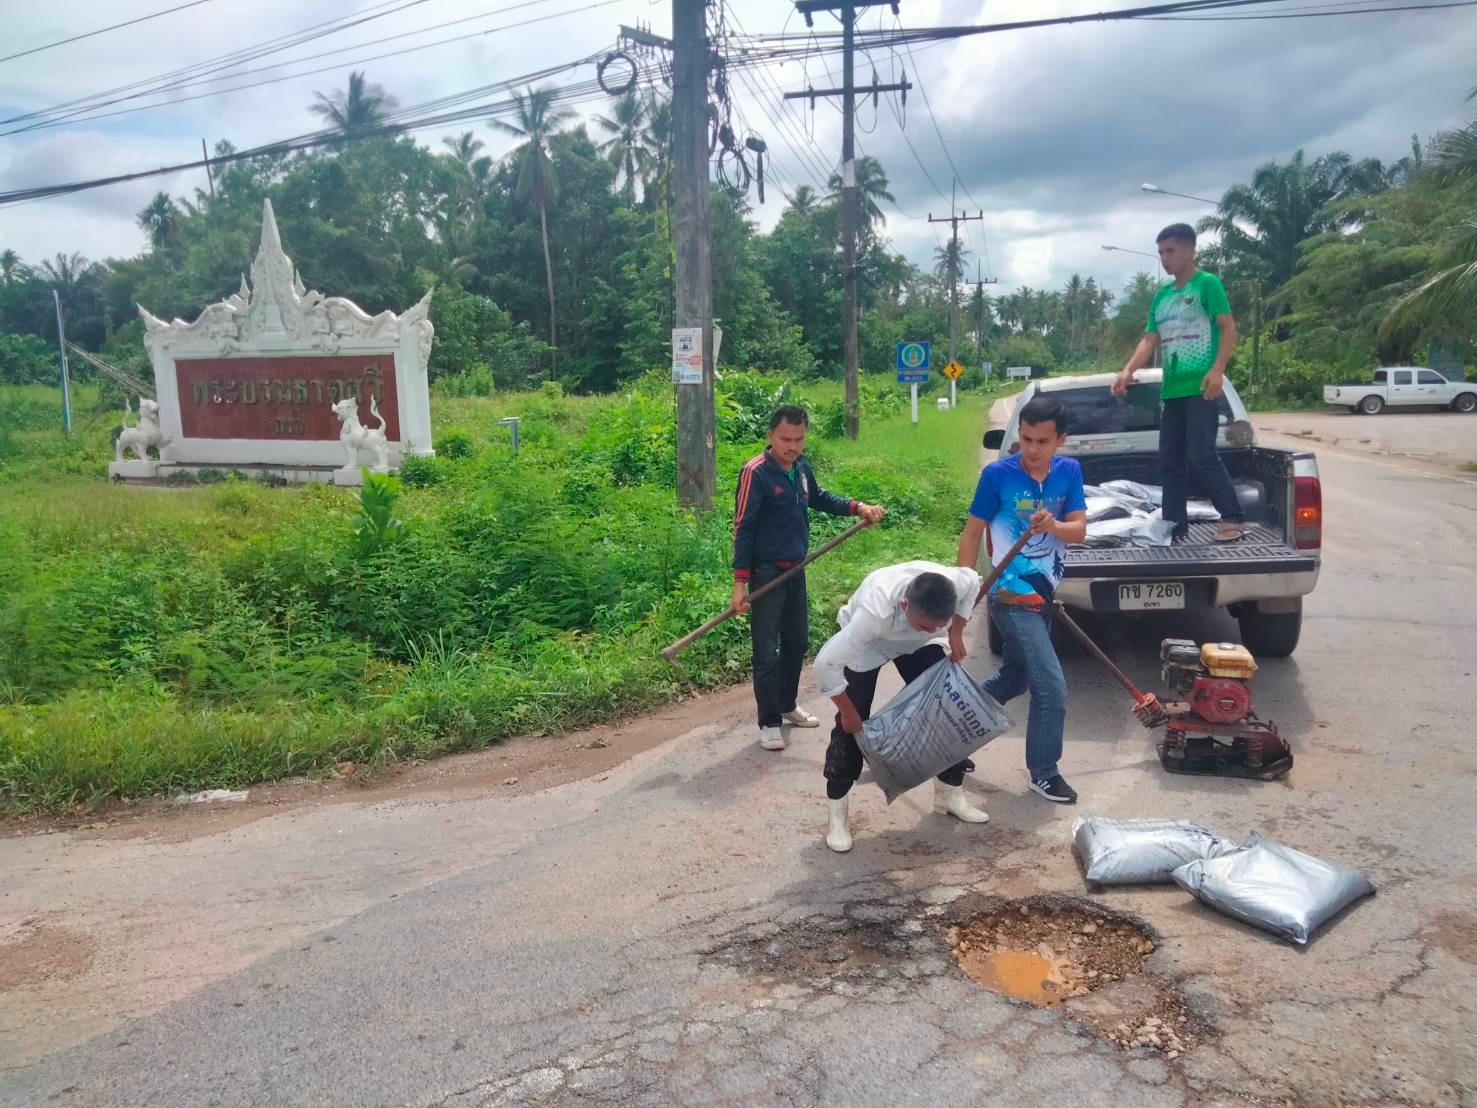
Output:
x=1263 y=550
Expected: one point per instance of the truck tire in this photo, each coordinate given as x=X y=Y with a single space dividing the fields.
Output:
x=1271 y=634
x=1372 y=405
x=1466 y=402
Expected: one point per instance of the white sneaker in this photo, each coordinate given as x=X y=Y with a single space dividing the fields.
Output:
x=801 y=718
x=838 y=835
x=950 y=800
x=771 y=738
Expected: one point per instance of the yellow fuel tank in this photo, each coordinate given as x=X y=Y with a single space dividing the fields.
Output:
x=1228 y=659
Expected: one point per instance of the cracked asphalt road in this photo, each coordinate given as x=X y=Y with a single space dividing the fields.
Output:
x=661 y=934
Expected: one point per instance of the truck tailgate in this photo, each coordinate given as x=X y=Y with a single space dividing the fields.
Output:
x=1263 y=550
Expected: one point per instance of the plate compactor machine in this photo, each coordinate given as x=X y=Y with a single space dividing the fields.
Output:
x=1211 y=729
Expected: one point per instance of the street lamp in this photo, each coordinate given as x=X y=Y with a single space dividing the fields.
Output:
x=1126 y=250
x=1181 y=195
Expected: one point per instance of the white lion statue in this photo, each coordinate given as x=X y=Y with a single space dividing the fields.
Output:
x=356 y=437
x=146 y=434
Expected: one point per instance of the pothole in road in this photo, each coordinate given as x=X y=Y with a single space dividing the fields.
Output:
x=1054 y=953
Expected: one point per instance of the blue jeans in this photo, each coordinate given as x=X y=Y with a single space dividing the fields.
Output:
x=1030 y=662
x=1187 y=441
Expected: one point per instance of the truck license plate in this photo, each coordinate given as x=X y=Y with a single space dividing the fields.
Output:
x=1151 y=595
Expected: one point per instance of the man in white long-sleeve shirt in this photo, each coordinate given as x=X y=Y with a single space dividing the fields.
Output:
x=903 y=614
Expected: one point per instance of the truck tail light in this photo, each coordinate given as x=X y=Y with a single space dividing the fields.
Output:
x=1307 y=520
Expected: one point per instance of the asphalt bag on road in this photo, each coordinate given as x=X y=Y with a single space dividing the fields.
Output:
x=941 y=718
x=1274 y=887
x=1142 y=851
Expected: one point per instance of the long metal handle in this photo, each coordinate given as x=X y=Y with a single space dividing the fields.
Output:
x=1147 y=708
x=670 y=653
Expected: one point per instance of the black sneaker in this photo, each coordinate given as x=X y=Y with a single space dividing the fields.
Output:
x=1055 y=790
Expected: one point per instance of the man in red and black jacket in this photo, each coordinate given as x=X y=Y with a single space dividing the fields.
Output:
x=771 y=533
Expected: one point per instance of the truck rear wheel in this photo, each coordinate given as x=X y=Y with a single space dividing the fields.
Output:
x=1371 y=405
x=1271 y=634
x=1466 y=402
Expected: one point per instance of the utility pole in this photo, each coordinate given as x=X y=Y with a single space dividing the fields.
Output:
x=209 y=177
x=850 y=211
x=1256 y=339
x=980 y=282
x=696 y=421
x=953 y=221
x=61 y=345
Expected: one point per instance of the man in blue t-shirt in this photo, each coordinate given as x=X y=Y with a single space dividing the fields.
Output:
x=1032 y=490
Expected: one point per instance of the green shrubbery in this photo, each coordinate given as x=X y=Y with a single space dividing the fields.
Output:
x=229 y=633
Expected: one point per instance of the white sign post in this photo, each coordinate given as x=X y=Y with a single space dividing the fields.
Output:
x=687 y=355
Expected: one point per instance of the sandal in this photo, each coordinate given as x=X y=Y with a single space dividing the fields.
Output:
x=1230 y=532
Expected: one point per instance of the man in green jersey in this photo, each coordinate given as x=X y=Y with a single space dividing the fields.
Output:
x=1190 y=323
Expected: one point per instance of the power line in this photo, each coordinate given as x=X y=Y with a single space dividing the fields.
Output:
x=170 y=79
x=101 y=31
x=329 y=68
x=579 y=92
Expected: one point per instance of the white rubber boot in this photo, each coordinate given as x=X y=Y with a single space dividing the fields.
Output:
x=950 y=799
x=771 y=738
x=838 y=837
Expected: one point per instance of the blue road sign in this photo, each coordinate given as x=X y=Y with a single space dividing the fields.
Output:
x=912 y=363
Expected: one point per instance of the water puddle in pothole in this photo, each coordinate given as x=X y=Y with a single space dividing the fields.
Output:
x=1055 y=953
x=1017 y=973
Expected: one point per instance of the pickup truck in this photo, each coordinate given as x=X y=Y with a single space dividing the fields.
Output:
x=1261 y=579
x=1403 y=387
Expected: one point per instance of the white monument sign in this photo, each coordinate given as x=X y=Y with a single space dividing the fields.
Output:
x=280 y=379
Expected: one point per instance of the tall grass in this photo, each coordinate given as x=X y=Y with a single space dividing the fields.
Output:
x=155 y=640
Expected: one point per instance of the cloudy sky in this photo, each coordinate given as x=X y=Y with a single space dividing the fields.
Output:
x=1051 y=131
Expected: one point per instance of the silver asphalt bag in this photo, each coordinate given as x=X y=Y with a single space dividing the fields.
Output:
x=941 y=718
x=1274 y=887
x=1142 y=851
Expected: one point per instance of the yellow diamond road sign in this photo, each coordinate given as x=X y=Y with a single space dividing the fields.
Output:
x=953 y=371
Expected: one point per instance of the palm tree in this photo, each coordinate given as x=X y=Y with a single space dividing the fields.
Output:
x=359 y=108
x=538 y=121
x=659 y=143
x=1451 y=291
x=465 y=148
x=11 y=268
x=1285 y=204
x=78 y=284
x=804 y=199
x=871 y=184
x=628 y=148
x=160 y=221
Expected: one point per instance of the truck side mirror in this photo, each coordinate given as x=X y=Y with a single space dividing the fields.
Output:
x=993 y=438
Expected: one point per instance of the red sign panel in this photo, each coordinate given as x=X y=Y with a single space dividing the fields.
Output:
x=288 y=398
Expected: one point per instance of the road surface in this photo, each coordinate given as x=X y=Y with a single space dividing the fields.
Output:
x=672 y=930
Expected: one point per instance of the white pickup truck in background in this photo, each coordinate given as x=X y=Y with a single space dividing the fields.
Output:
x=1403 y=387
x=1260 y=580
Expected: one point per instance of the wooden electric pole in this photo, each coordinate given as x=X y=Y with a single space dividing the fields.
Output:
x=696 y=422
x=954 y=276
x=850 y=208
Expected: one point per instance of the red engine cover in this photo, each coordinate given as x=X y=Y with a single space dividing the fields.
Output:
x=1220 y=699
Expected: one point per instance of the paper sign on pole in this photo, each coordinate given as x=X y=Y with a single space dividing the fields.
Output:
x=687 y=355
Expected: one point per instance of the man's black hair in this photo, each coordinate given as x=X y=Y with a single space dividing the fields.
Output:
x=932 y=596
x=1180 y=232
x=1045 y=409
x=789 y=413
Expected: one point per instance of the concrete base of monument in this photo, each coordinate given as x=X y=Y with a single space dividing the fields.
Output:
x=352 y=478
x=133 y=470
x=196 y=473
